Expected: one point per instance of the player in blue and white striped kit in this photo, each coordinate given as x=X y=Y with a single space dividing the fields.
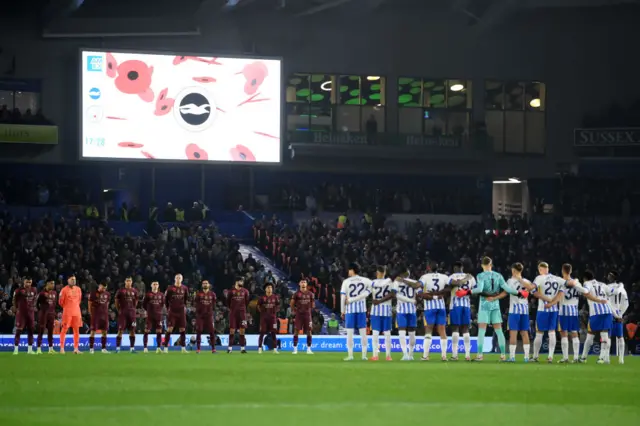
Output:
x=381 y=312
x=548 y=286
x=568 y=320
x=619 y=304
x=353 y=294
x=518 y=321
x=435 y=312
x=460 y=311
x=600 y=317
x=406 y=316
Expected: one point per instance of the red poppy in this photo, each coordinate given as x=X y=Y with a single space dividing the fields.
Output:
x=112 y=65
x=255 y=73
x=180 y=59
x=147 y=155
x=134 y=78
x=241 y=153
x=130 y=145
x=194 y=152
x=204 y=79
x=111 y=117
x=163 y=104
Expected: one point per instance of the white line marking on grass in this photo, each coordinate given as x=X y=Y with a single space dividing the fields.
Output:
x=320 y=406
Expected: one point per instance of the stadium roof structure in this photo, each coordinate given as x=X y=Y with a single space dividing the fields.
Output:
x=480 y=13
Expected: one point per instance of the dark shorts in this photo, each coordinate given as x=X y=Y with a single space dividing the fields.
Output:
x=303 y=322
x=25 y=321
x=205 y=325
x=177 y=320
x=127 y=321
x=238 y=320
x=153 y=323
x=268 y=323
x=99 y=322
x=45 y=322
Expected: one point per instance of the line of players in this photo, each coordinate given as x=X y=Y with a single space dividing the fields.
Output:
x=27 y=300
x=558 y=298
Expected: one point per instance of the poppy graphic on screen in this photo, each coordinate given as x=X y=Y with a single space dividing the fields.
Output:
x=194 y=109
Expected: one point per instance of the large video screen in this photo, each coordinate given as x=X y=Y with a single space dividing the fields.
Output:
x=168 y=107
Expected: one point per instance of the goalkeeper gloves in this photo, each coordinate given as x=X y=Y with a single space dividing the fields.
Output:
x=523 y=293
x=462 y=293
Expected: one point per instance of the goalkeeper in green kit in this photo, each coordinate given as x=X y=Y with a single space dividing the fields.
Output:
x=491 y=287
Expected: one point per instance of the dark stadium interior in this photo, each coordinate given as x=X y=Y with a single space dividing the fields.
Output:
x=412 y=136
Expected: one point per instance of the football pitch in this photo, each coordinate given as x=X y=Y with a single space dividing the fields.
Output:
x=189 y=389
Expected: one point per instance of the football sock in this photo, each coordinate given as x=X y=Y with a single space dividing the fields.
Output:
x=132 y=341
x=104 y=341
x=501 y=341
x=364 y=342
x=92 y=340
x=604 y=345
x=260 y=340
x=376 y=342
x=30 y=337
x=349 y=342
x=576 y=347
x=274 y=340
x=621 y=347
x=426 y=345
x=481 y=333
x=310 y=340
x=512 y=351
x=183 y=338
x=455 y=337
x=167 y=339
x=564 y=344
x=537 y=344
x=527 y=350
x=16 y=339
x=145 y=340
x=232 y=336
x=443 y=346
x=588 y=342
x=198 y=340
x=295 y=341
x=63 y=338
x=39 y=341
x=552 y=343
x=387 y=342
x=402 y=334
x=76 y=339
x=412 y=342
x=467 y=344
x=118 y=341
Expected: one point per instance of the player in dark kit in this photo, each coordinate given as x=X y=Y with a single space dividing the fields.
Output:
x=268 y=306
x=153 y=304
x=126 y=304
x=24 y=300
x=46 y=304
x=99 y=311
x=205 y=301
x=238 y=299
x=302 y=303
x=176 y=298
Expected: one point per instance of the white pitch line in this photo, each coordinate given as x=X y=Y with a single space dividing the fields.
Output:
x=321 y=406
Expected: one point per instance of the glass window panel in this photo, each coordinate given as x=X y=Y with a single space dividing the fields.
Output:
x=6 y=100
x=348 y=118
x=298 y=94
x=27 y=101
x=535 y=132
x=434 y=93
x=435 y=122
x=514 y=96
x=458 y=123
x=495 y=129
x=459 y=94
x=410 y=120
x=534 y=96
x=298 y=117
x=372 y=90
x=410 y=92
x=349 y=90
x=320 y=99
x=514 y=132
x=378 y=114
x=494 y=95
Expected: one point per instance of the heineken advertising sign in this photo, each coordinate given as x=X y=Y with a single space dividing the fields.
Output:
x=606 y=137
x=31 y=134
x=378 y=139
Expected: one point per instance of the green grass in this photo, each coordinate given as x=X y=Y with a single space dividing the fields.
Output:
x=189 y=389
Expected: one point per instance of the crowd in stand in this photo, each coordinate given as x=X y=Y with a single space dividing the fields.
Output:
x=46 y=249
x=15 y=116
x=321 y=252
